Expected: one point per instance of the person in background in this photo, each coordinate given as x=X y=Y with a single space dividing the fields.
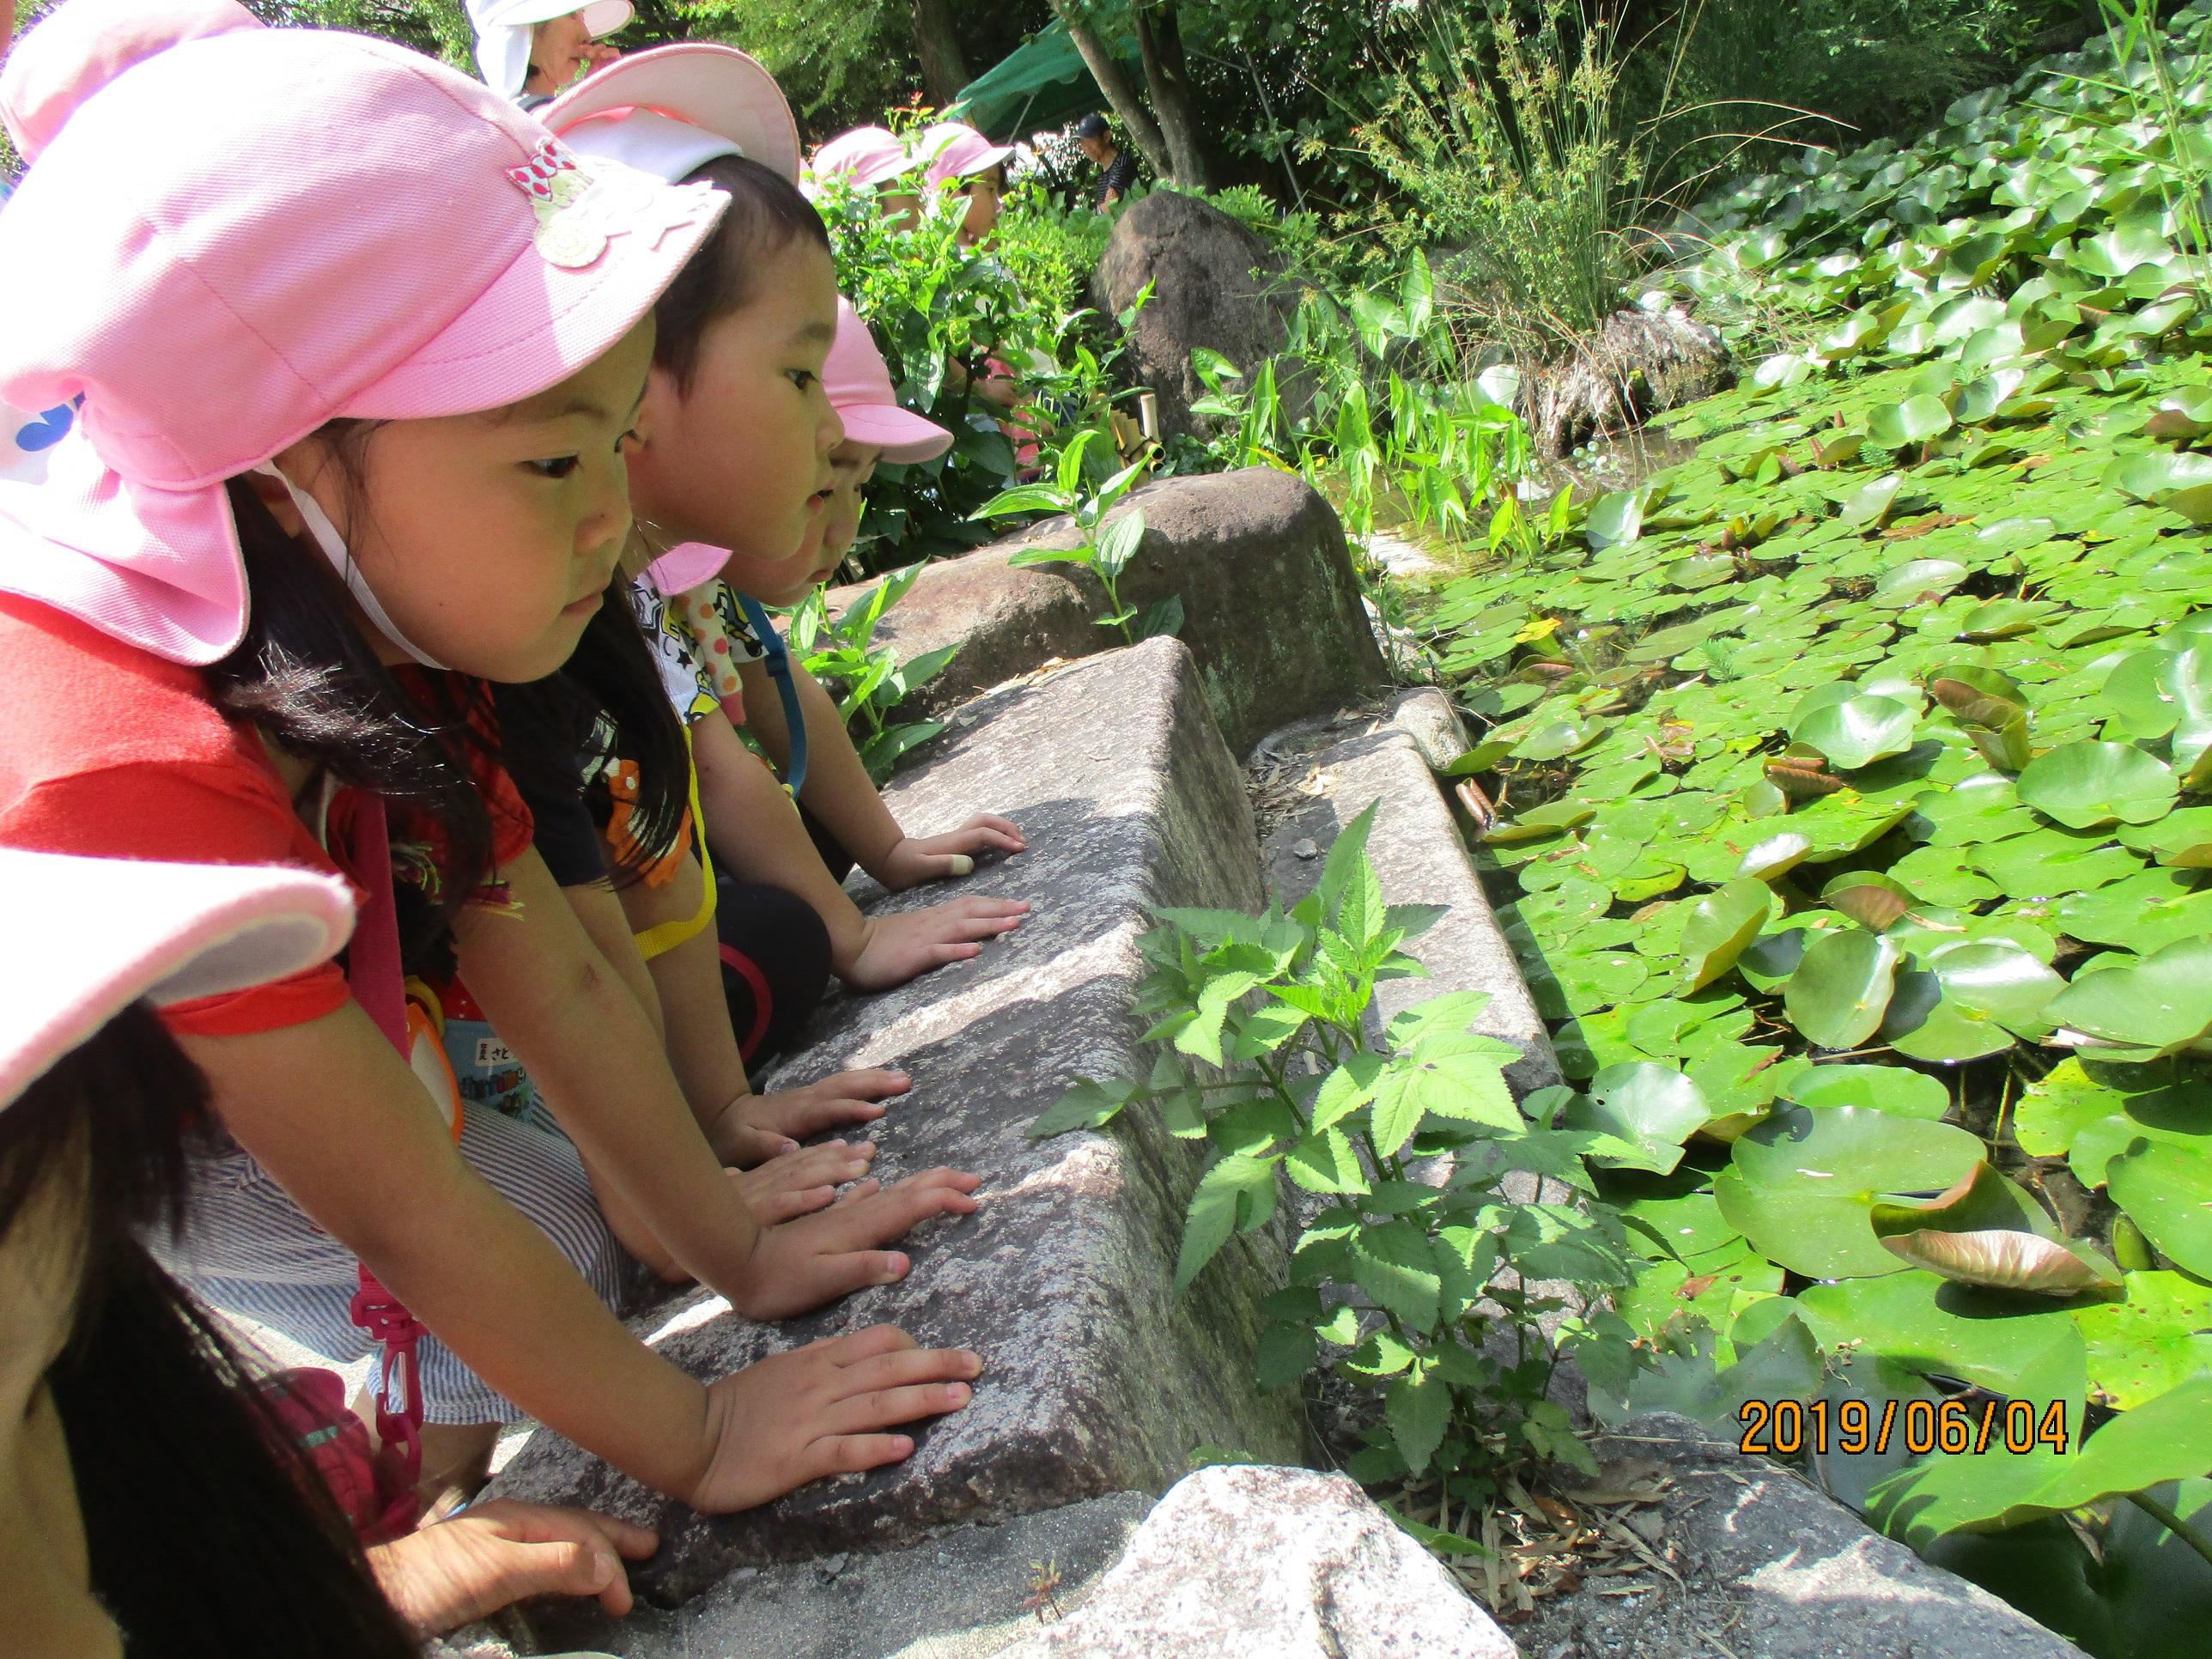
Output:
x=876 y=157
x=531 y=49
x=1117 y=172
x=117 y=1532
x=953 y=153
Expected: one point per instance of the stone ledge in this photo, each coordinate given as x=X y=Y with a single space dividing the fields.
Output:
x=1271 y=608
x=1383 y=755
x=1097 y=1379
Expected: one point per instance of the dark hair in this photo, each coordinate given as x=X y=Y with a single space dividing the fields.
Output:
x=766 y=215
x=304 y=676
x=548 y=727
x=211 y=1539
x=1092 y=126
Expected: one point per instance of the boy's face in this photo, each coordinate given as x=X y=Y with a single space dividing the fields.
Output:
x=741 y=458
x=984 y=191
x=854 y=463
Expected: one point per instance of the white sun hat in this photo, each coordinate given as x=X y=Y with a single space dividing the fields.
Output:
x=674 y=108
x=505 y=27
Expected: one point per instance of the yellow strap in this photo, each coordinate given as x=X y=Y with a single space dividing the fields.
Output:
x=663 y=937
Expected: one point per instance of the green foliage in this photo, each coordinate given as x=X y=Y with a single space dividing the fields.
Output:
x=1858 y=811
x=1417 y=1280
x=1104 y=549
x=872 y=682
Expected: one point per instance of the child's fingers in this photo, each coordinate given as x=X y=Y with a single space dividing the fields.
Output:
x=852 y=1454
x=978 y=906
x=877 y=1084
x=902 y=1368
x=858 y=1346
x=860 y=1189
x=771 y=1209
x=884 y=1408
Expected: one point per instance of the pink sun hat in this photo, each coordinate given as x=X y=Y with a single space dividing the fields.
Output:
x=866 y=155
x=82 y=47
x=246 y=236
x=506 y=30
x=859 y=383
x=952 y=150
x=111 y=931
x=672 y=109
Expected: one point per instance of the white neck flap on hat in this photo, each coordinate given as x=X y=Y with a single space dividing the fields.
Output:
x=334 y=549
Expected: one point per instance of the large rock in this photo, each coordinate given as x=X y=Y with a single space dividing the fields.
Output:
x=1287 y=1563
x=1214 y=284
x=1271 y=608
x=1759 y=1560
x=1639 y=364
x=1097 y=1379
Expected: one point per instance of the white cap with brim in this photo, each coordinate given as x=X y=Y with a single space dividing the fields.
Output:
x=505 y=29
x=724 y=101
x=93 y=936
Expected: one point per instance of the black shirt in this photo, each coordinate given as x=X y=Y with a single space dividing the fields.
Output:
x=1119 y=176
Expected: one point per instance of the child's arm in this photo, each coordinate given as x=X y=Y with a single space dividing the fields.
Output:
x=703 y=1048
x=844 y=800
x=755 y=832
x=331 y=1110
x=586 y=1045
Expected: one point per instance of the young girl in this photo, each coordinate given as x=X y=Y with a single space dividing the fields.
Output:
x=384 y=317
x=96 y=1103
x=738 y=469
x=954 y=153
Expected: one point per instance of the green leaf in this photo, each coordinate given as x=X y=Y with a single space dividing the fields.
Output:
x=1857 y=731
x=1237 y=1192
x=1285 y=1354
x=1986 y=1232
x=1652 y=1107
x=1324 y=1162
x=1450 y=1014
x=1087 y=1105
x=1893 y=1088
x=1718 y=928
x=1347 y=859
x=1418 y=1410
x=1615 y=519
x=1915 y=421
x=1869 y=503
x=2086 y=785
x=1391 y=1263
x=1802 y=1185
x=1023 y=498
x=1119 y=542
x=1346 y=1089
x=1841 y=988
x=2157 y=1338
x=2158 y=1003
x=2166 y=1190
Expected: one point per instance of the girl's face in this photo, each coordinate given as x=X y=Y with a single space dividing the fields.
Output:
x=45 y=1571
x=854 y=463
x=985 y=192
x=741 y=458
x=489 y=538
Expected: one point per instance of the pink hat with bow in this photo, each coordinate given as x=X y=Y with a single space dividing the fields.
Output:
x=952 y=150
x=866 y=155
x=228 y=243
x=111 y=931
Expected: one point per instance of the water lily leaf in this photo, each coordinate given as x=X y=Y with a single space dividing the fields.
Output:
x=1985 y=1231
x=1895 y=1089
x=1652 y=1108
x=1841 y=988
x=2159 y=1003
x=2155 y=693
x=1870 y=503
x=2085 y=785
x=1614 y=519
x=1857 y=731
x=2180 y=841
x=2186 y=415
x=1555 y=738
x=1915 y=421
x=1874 y=901
x=2166 y=1190
x=1997 y=980
x=1923 y=1023
x=2158 y=1339
x=2174 y=479
x=2051 y=862
x=2144 y=913
x=1718 y=928
x=1802 y=1187
x=1918 y=582
x=1777 y=855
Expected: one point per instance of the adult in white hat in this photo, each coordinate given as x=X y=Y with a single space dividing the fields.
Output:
x=539 y=46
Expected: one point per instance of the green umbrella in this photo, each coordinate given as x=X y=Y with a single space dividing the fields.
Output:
x=1043 y=83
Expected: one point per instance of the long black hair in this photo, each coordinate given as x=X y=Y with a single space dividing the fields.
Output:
x=207 y=1534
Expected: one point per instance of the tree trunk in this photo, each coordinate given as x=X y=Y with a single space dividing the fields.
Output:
x=944 y=69
x=1107 y=72
x=1167 y=77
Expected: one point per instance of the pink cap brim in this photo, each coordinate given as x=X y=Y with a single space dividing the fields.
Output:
x=717 y=88
x=903 y=436
x=111 y=931
x=686 y=565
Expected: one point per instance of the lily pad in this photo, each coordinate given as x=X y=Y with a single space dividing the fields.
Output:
x=1718 y=928
x=2167 y=1191
x=1803 y=1185
x=2151 y=1005
x=1915 y=421
x=1857 y=731
x=1986 y=1232
x=1650 y=1106
x=1841 y=988
x=1897 y=1090
x=2085 y=785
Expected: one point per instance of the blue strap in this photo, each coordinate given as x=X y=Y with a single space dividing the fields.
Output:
x=779 y=670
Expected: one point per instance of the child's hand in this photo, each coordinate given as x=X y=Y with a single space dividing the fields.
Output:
x=823 y=1410
x=896 y=948
x=801 y=1182
x=938 y=858
x=493 y=1554
x=834 y=1251
x=796 y=1114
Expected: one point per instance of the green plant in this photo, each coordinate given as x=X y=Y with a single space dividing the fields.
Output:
x=1102 y=547
x=1856 y=818
x=872 y=681
x=1430 y=1288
